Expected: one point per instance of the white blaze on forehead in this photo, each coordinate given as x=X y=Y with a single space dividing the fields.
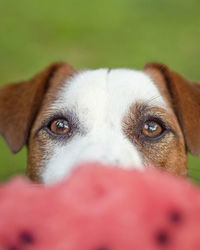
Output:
x=100 y=99
x=103 y=94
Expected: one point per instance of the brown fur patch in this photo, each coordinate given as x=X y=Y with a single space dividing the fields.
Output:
x=39 y=147
x=19 y=105
x=184 y=97
x=166 y=153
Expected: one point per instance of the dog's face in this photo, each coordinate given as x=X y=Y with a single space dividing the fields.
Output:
x=122 y=117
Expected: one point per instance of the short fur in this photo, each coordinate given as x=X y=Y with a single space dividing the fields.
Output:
x=106 y=108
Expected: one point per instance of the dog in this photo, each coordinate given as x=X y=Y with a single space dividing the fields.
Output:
x=122 y=117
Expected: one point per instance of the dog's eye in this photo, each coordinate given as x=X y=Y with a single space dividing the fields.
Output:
x=152 y=129
x=60 y=127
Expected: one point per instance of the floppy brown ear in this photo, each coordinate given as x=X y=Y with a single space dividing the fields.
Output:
x=20 y=103
x=185 y=99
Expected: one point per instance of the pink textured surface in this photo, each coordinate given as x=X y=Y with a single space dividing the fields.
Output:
x=101 y=208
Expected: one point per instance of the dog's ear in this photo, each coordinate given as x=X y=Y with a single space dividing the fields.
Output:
x=20 y=103
x=185 y=99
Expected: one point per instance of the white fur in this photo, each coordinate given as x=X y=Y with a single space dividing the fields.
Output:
x=100 y=99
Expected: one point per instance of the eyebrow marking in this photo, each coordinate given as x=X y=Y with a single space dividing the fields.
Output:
x=139 y=112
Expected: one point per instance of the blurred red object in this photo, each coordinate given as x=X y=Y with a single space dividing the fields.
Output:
x=101 y=208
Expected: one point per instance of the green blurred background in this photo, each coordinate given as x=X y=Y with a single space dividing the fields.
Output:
x=93 y=34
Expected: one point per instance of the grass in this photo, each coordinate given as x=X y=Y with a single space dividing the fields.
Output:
x=91 y=34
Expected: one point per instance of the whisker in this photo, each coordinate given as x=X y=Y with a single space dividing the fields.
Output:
x=151 y=99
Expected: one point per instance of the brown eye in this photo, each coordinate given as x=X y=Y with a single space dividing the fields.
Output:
x=60 y=127
x=152 y=129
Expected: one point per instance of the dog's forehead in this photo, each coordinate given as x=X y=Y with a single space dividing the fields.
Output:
x=107 y=93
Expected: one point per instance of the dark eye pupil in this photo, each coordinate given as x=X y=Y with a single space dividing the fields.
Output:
x=151 y=126
x=62 y=125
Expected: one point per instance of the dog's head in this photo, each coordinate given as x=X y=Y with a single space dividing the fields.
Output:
x=121 y=116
